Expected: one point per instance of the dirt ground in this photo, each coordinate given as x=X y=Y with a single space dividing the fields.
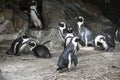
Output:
x=92 y=65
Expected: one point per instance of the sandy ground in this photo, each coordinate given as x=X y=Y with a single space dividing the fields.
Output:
x=92 y=65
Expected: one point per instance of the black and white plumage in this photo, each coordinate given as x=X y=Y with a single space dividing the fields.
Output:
x=68 y=36
x=34 y=15
x=63 y=30
x=68 y=56
x=86 y=34
x=105 y=41
x=18 y=45
x=117 y=31
x=117 y=34
x=39 y=51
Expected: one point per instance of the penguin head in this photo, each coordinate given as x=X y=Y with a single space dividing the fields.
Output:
x=32 y=44
x=62 y=24
x=80 y=19
x=70 y=30
x=34 y=2
x=33 y=5
x=24 y=36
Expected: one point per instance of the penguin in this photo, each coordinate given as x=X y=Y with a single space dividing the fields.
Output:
x=34 y=15
x=68 y=56
x=18 y=45
x=105 y=41
x=68 y=36
x=117 y=34
x=63 y=30
x=86 y=34
x=40 y=51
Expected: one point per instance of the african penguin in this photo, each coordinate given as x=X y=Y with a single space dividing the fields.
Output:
x=34 y=15
x=68 y=56
x=85 y=33
x=18 y=45
x=68 y=36
x=117 y=34
x=105 y=41
x=39 y=51
x=62 y=30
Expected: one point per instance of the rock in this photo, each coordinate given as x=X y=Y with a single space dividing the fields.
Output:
x=2 y=18
x=42 y=36
x=7 y=27
x=8 y=14
x=19 y=23
x=66 y=11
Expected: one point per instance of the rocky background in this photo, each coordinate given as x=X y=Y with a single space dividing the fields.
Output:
x=93 y=65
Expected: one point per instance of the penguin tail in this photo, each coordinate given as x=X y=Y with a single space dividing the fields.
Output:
x=9 y=52
x=46 y=42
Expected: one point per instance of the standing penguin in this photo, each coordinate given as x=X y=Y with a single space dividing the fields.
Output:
x=105 y=41
x=62 y=30
x=68 y=36
x=39 y=51
x=34 y=15
x=68 y=56
x=18 y=45
x=86 y=34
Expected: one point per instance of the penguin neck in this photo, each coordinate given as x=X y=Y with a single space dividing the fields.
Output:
x=33 y=8
x=79 y=24
x=62 y=29
x=69 y=35
x=25 y=40
x=74 y=43
x=104 y=44
x=97 y=39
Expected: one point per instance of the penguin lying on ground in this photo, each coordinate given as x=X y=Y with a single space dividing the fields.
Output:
x=39 y=51
x=86 y=35
x=105 y=41
x=34 y=15
x=117 y=34
x=18 y=45
x=68 y=56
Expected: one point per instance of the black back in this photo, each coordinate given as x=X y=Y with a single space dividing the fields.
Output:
x=41 y=51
